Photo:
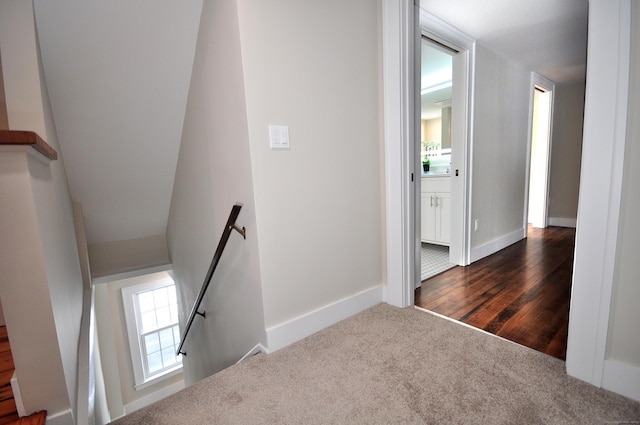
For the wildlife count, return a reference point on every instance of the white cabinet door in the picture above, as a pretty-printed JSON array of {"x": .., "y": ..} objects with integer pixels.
[
  {"x": 435, "y": 215},
  {"x": 443, "y": 218},
  {"x": 427, "y": 217}
]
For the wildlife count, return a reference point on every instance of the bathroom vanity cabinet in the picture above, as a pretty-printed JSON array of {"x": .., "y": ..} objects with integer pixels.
[{"x": 436, "y": 209}]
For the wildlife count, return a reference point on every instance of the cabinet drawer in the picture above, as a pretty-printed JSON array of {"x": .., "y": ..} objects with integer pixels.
[{"x": 435, "y": 184}]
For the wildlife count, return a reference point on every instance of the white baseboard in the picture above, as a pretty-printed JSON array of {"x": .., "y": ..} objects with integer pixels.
[
  {"x": 496, "y": 245},
  {"x": 284, "y": 334},
  {"x": 17, "y": 395},
  {"x": 153, "y": 397},
  {"x": 562, "y": 222},
  {"x": 621, "y": 378},
  {"x": 61, "y": 418},
  {"x": 259, "y": 348}
]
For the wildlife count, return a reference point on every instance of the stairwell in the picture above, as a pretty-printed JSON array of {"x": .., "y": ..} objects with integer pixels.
[{"x": 8, "y": 410}]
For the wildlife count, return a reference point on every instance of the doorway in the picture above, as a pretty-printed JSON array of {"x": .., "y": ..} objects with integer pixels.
[
  {"x": 436, "y": 87},
  {"x": 539, "y": 151},
  {"x": 442, "y": 194}
]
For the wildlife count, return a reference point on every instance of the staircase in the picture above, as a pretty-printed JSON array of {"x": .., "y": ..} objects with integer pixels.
[{"x": 8, "y": 411}]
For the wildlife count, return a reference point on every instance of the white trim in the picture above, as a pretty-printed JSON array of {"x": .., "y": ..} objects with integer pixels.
[
  {"x": 133, "y": 325},
  {"x": 257, "y": 349},
  {"x": 562, "y": 222},
  {"x": 86, "y": 368},
  {"x": 398, "y": 37},
  {"x": 400, "y": 30},
  {"x": 462, "y": 145},
  {"x": 284, "y": 334},
  {"x": 604, "y": 138},
  {"x": 17, "y": 395},
  {"x": 496, "y": 245},
  {"x": 64, "y": 417},
  {"x": 621, "y": 378},
  {"x": 153, "y": 397}
]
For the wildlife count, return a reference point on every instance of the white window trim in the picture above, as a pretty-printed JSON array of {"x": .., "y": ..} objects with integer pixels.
[{"x": 132, "y": 332}]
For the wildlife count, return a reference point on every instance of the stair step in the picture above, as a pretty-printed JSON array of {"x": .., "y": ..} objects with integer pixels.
[
  {"x": 38, "y": 418},
  {"x": 8, "y": 410},
  {"x": 6, "y": 362},
  {"x": 8, "y": 407},
  {"x": 10, "y": 419}
]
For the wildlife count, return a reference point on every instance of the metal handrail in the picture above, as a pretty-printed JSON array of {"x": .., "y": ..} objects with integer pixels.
[{"x": 231, "y": 225}]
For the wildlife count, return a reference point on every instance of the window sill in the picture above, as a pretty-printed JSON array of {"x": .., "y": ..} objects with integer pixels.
[{"x": 156, "y": 379}]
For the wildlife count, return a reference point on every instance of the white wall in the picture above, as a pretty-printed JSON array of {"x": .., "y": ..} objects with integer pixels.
[
  {"x": 54, "y": 210},
  {"x": 623, "y": 342},
  {"x": 112, "y": 258},
  {"x": 601, "y": 251},
  {"x": 213, "y": 173},
  {"x": 51, "y": 291},
  {"x": 566, "y": 150},
  {"x": 499, "y": 150},
  {"x": 20, "y": 67},
  {"x": 25, "y": 292},
  {"x": 313, "y": 66},
  {"x": 118, "y": 74}
]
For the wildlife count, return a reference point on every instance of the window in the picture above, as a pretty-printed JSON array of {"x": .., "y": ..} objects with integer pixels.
[{"x": 151, "y": 313}]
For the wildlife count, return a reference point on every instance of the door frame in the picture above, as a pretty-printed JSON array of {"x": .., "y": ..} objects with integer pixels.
[
  {"x": 462, "y": 134},
  {"x": 547, "y": 85},
  {"x": 402, "y": 23}
]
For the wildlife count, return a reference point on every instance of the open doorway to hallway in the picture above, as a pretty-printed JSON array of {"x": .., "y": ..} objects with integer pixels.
[
  {"x": 539, "y": 151},
  {"x": 521, "y": 293}
]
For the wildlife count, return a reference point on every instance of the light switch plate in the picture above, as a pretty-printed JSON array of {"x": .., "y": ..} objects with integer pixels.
[{"x": 279, "y": 137}]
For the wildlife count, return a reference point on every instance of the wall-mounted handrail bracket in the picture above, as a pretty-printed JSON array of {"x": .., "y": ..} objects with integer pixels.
[
  {"x": 242, "y": 231},
  {"x": 231, "y": 225},
  {"x": 203, "y": 314}
]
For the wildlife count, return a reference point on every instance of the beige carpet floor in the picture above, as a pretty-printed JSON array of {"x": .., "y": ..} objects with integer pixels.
[{"x": 393, "y": 366}]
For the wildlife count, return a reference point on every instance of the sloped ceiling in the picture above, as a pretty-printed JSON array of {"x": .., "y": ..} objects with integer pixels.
[{"x": 118, "y": 75}]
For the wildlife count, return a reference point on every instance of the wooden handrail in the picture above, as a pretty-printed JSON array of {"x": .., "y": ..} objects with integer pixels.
[
  {"x": 231, "y": 225},
  {"x": 17, "y": 137}
]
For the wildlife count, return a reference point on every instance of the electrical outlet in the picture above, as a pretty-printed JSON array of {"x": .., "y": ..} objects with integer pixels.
[{"x": 476, "y": 224}]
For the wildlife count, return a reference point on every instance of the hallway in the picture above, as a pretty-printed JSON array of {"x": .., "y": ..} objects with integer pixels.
[{"x": 520, "y": 293}]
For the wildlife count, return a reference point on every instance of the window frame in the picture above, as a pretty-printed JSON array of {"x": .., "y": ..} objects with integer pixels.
[{"x": 137, "y": 351}]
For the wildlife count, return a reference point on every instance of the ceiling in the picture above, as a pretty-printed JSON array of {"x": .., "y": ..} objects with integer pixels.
[
  {"x": 118, "y": 74},
  {"x": 546, "y": 36}
]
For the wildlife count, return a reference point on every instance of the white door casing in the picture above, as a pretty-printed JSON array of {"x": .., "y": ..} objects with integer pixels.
[{"x": 400, "y": 34}]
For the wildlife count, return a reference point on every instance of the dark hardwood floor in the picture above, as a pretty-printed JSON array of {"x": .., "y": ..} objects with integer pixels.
[{"x": 520, "y": 293}]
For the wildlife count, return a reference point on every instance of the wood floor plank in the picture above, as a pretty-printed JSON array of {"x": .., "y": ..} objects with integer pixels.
[{"x": 521, "y": 293}]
